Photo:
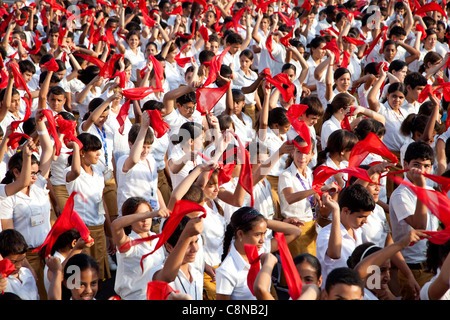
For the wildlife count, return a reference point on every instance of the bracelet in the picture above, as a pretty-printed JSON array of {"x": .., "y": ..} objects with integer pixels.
[{"x": 41, "y": 133}]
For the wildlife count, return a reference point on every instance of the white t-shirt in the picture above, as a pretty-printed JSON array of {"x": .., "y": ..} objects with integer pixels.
[
  {"x": 376, "y": 229},
  {"x": 214, "y": 225},
  {"x": 131, "y": 281},
  {"x": 24, "y": 286}
]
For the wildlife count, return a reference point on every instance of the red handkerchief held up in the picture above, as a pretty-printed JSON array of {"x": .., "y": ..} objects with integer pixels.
[
  {"x": 51, "y": 65},
  {"x": 207, "y": 98},
  {"x": 253, "y": 259},
  {"x": 156, "y": 122},
  {"x": 68, "y": 219},
  {"x": 371, "y": 144},
  {"x": 293, "y": 280},
  {"x": 52, "y": 130},
  {"x": 280, "y": 81},
  {"x": 432, "y": 6},
  {"x": 159, "y": 290},
  {"x": 122, "y": 115},
  {"x": 159, "y": 71}
]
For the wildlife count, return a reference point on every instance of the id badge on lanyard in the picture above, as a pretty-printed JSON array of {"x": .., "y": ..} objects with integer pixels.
[{"x": 107, "y": 174}]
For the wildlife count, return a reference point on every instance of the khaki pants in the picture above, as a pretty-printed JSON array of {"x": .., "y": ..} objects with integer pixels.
[
  {"x": 421, "y": 277},
  {"x": 276, "y": 199},
  {"x": 61, "y": 195},
  {"x": 209, "y": 286},
  {"x": 250, "y": 110},
  {"x": 110, "y": 196},
  {"x": 164, "y": 187},
  {"x": 99, "y": 251},
  {"x": 38, "y": 265}
]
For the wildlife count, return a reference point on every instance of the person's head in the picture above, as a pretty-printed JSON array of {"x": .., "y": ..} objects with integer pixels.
[
  {"x": 389, "y": 50},
  {"x": 314, "y": 112},
  {"x": 90, "y": 152},
  {"x": 225, "y": 72},
  {"x": 214, "y": 43},
  {"x": 430, "y": 41},
  {"x": 356, "y": 204},
  {"x": 234, "y": 41},
  {"x": 397, "y": 33},
  {"x": 343, "y": 284},
  {"x": 396, "y": 94},
  {"x": 247, "y": 226},
  {"x": 93, "y": 105},
  {"x": 418, "y": 155},
  {"x": 339, "y": 146},
  {"x": 148, "y": 139},
  {"x": 414, "y": 125},
  {"x": 13, "y": 247},
  {"x": 15, "y": 164},
  {"x": 414, "y": 82},
  {"x": 309, "y": 269},
  {"x": 190, "y": 136},
  {"x": 133, "y": 38},
  {"x": 137, "y": 205},
  {"x": 316, "y": 48},
  {"x": 290, "y": 70},
  {"x": 87, "y": 74},
  {"x": 431, "y": 60},
  {"x": 299, "y": 158},
  {"x": 193, "y": 246},
  {"x": 278, "y": 120},
  {"x": 186, "y": 104},
  {"x": 81, "y": 276},
  {"x": 238, "y": 101},
  {"x": 56, "y": 98},
  {"x": 342, "y": 79},
  {"x": 258, "y": 152},
  {"x": 339, "y": 106},
  {"x": 27, "y": 69},
  {"x": 368, "y": 125},
  {"x": 65, "y": 242},
  {"x": 246, "y": 59},
  {"x": 363, "y": 251},
  {"x": 399, "y": 69}
]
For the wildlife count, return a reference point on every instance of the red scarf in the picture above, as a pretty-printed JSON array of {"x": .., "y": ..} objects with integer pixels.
[
  {"x": 245, "y": 177},
  {"x": 370, "y": 144},
  {"x": 51, "y": 65},
  {"x": 68, "y": 219},
  {"x": 278, "y": 81},
  {"x": 99, "y": 63},
  {"x": 207, "y": 98},
  {"x": 322, "y": 173},
  {"x": 214, "y": 67},
  {"x": 254, "y": 260},
  {"x": 159, "y": 290},
  {"x": 159, "y": 126},
  {"x": 52, "y": 129}
]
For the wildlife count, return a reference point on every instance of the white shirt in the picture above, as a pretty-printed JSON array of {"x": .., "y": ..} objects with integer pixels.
[
  {"x": 131, "y": 281},
  {"x": 348, "y": 245},
  {"x": 141, "y": 180},
  {"x": 91, "y": 211},
  {"x": 402, "y": 204},
  {"x": 426, "y": 287},
  {"x": 214, "y": 225},
  {"x": 24, "y": 286},
  {"x": 273, "y": 143},
  {"x": 376, "y": 229},
  {"x": 31, "y": 214},
  {"x": 243, "y": 128},
  {"x": 302, "y": 209},
  {"x": 231, "y": 275},
  {"x": 328, "y": 128},
  {"x": 178, "y": 153},
  {"x": 262, "y": 195},
  {"x": 393, "y": 139}
]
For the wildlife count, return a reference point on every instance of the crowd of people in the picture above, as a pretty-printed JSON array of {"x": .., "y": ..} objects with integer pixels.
[{"x": 200, "y": 149}]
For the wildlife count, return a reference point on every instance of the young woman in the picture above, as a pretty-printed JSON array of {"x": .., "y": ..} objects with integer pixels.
[
  {"x": 247, "y": 226},
  {"x": 132, "y": 51}
]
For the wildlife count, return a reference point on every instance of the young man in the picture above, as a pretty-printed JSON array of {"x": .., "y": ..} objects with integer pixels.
[
  {"x": 343, "y": 284},
  {"x": 415, "y": 83},
  {"x": 136, "y": 172},
  {"x": 336, "y": 241},
  {"x": 407, "y": 213}
]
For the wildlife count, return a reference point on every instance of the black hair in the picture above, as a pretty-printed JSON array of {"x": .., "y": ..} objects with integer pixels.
[
  {"x": 64, "y": 240},
  {"x": 82, "y": 261},
  {"x": 243, "y": 219},
  {"x": 414, "y": 79},
  {"x": 87, "y": 74},
  {"x": 173, "y": 239},
  {"x": 339, "y": 140},
  {"x": 134, "y": 132},
  {"x": 12, "y": 242},
  {"x": 419, "y": 150},
  {"x": 234, "y": 38},
  {"x": 343, "y": 275},
  {"x": 186, "y": 98},
  {"x": 436, "y": 255},
  {"x": 368, "y": 125},
  {"x": 130, "y": 206},
  {"x": 16, "y": 162},
  {"x": 188, "y": 130},
  {"x": 356, "y": 198},
  {"x": 360, "y": 253},
  {"x": 26, "y": 66},
  {"x": 312, "y": 260}
]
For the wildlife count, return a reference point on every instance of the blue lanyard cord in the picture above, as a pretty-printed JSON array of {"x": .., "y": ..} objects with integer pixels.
[
  {"x": 105, "y": 146},
  {"x": 310, "y": 198}
]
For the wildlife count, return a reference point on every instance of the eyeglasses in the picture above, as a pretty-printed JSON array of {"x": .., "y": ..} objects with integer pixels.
[
  {"x": 189, "y": 108},
  {"x": 35, "y": 173}
]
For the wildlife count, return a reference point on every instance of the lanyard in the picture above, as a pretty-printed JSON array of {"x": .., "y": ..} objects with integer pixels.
[
  {"x": 105, "y": 146},
  {"x": 310, "y": 198}
]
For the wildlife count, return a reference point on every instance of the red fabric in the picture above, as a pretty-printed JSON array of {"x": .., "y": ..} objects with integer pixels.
[
  {"x": 296, "y": 110},
  {"x": 306, "y": 5},
  {"x": 52, "y": 130},
  {"x": 99, "y": 63},
  {"x": 122, "y": 115},
  {"x": 378, "y": 66},
  {"x": 122, "y": 78},
  {"x": 214, "y": 68},
  {"x": 425, "y": 93},
  {"x": 62, "y": 34},
  {"x": 68, "y": 219},
  {"x": 20, "y": 85},
  {"x": 37, "y": 45},
  {"x": 207, "y": 98},
  {"x": 51, "y": 65},
  {"x": 6, "y": 267},
  {"x": 6, "y": 22},
  {"x": 67, "y": 128},
  {"x": 432, "y": 6},
  {"x": 4, "y": 77},
  {"x": 285, "y": 40},
  {"x": 204, "y": 33},
  {"x": 245, "y": 177},
  {"x": 190, "y": 36},
  {"x": 181, "y": 208},
  {"x": 159, "y": 290},
  {"x": 331, "y": 31},
  {"x": 375, "y": 41},
  {"x": 370, "y": 144},
  {"x": 138, "y": 93},
  {"x": 264, "y": 5},
  {"x": 237, "y": 17},
  {"x": 269, "y": 47},
  {"x": 354, "y": 41},
  {"x": 293, "y": 280},
  {"x": 322, "y": 173},
  {"x": 420, "y": 28},
  {"x": 156, "y": 122},
  {"x": 254, "y": 260},
  {"x": 333, "y": 47},
  {"x": 289, "y": 22},
  {"x": 110, "y": 37},
  {"x": 443, "y": 181},
  {"x": 14, "y": 139},
  {"x": 159, "y": 71},
  {"x": 303, "y": 131},
  {"x": 182, "y": 61},
  {"x": 439, "y": 205},
  {"x": 345, "y": 123},
  {"x": 345, "y": 59},
  {"x": 107, "y": 70},
  {"x": 177, "y": 10},
  {"x": 278, "y": 81}
]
